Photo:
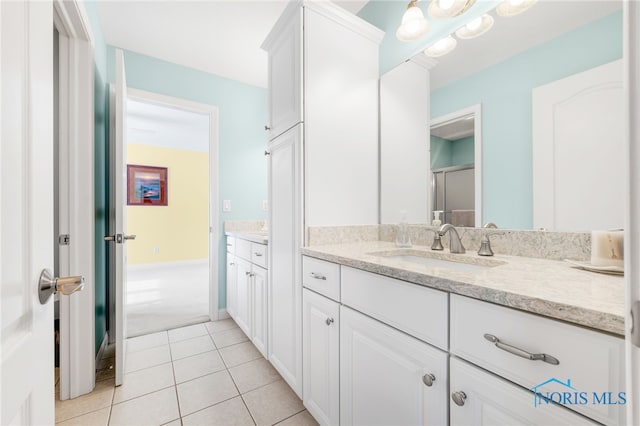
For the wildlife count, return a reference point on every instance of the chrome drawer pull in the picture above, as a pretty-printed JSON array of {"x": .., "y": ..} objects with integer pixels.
[
  {"x": 521, "y": 352},
  {"x": 257, "y": 254},
  {"x": 318, "y": 276},
  {"x": 329, "y": 321}
]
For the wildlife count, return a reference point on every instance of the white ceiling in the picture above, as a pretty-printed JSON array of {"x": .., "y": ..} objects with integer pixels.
[{"x": 221, "y": 37}]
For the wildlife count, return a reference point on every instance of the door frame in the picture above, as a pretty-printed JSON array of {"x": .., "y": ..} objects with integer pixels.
[
  {"x": 215, "y": 312},
  {"x": 76, "y": 111}
]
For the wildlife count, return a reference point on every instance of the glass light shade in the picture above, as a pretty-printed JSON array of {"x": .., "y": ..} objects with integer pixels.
[
  {"x": 475, "y": 28},
  {"x": 440, "y": 9},
  {"x": 413, "y": 25},
  {"x": 441, "y": 47},
  {"x": 514, "y": 7}
]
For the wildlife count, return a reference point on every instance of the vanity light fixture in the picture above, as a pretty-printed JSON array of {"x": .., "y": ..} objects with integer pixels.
[
  {"x": 414, "y": 25},
  {"x": 440, "y": 9},
  {"x": 514, "y": 7},
  {"x": 475, "y": 28},
  {"x": 441, "y": 47}
]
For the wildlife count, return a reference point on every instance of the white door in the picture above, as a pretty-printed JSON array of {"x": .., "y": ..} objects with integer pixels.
[
  {"x": 26, "y": 212},
  {"x": 388, "y": 377},
  {"x": 118, "y": 222},
  {"x": 321, "y": 357},
  {"x": 259, "y": 296},
  {"x": 479, "y": 398},
  {"x": 579, "y": 168}
]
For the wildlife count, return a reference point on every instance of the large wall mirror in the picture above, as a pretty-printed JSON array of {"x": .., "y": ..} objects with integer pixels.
[{"x": 550, "y": 92}]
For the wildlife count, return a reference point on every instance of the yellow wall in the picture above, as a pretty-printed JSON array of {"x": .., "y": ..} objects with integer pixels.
[{"x": 180, "y": 230}]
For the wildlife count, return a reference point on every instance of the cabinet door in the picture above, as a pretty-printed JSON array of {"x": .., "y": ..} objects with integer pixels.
[
  {"x": 320, "y": 357},
  {"x": 490, "y": 400},
  {"x": 285, "y": 77},
  {"x": 232, "y": 289},
  {"x": 243, "y": 311},
  {"x": 388, "y": 377},
  {"x": 259, "y": 295},
  {"x": 285, "y": 240}
]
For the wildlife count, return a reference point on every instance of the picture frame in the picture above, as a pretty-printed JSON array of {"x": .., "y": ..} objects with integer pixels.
[{"x": 147, "y": 185}]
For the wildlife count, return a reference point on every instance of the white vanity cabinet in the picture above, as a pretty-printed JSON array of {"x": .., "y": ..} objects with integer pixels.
[
  {"x": 323, "y": 97},
  {"x": 247, "y": 289},
  {"x": 479, "y": 398},
  {"x": 321, "y": 357},
  {"x": 388, "y": 377}
]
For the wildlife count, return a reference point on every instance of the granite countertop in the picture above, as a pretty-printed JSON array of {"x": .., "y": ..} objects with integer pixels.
[
  {"x": 260, "y": 237},
  {"x": 546, "y": 287}
]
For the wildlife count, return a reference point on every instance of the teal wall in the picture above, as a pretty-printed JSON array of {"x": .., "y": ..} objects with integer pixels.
[
  {"x": 242, "y": 109},
  {"x": 504, "y": 90},
  {"x": 447, "y": 153},
  {"x": 101, "y": 156}
]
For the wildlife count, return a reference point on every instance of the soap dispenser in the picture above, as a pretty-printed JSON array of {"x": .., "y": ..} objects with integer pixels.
[
  {"x": 402, "y": 234},
  {"x": 436, "y": 218}
]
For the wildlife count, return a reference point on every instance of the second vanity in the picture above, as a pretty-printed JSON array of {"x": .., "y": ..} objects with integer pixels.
[{"x": 411, "y": 336}]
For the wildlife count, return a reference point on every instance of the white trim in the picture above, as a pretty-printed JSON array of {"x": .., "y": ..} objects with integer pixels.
[
  {"x": 77, "y": 312},
  {"x": 212, "y": 111},
  {"x": 346, "y": 19},
  {"x": 476, "y": 110}
]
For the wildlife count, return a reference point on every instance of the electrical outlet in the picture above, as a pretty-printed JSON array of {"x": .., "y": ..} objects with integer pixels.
[
  {"x": 265, "y": 205},
  {"x": 156, "y": 250},
  {"x": 226, "y": 205}
]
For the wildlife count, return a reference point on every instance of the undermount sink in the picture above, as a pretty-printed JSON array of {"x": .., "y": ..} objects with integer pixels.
[{"x": 454, "y": 262}]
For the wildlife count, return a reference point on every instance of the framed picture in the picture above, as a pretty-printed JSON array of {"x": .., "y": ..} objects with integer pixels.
[{"x": 146, "y": 185}]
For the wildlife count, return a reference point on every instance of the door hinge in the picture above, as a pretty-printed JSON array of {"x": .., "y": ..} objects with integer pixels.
[{"x": 63, "y": 239}]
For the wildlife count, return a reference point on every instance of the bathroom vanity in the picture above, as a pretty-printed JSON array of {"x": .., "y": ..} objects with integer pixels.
[{"x": 389, "y": 339}]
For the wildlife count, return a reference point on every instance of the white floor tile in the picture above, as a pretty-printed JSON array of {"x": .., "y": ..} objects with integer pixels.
[
  {"x": 253, "y": 374},
  {"x": 188, "y": 332},
  {"x": 221, "y": 325},
  {"x": 300, "y": 419},
  {"x": 140, "y": 343},
  {"x": 272, "y": 403},
  {"x": 95, "y": 418},
  {"x": 145, "y": 381},
  {"x": 147, "y": 358},
  {"x": 205, "y": 392},
  {"x": 198, "y": 365},
  {"x": 101, "y": 397},
  {"x": 190, "y": 347},
  {"x": 229, "y": 337},
  {"x": 228, "y": 413},
  {"x": 239, "y": 354},
  {"x": 153, "y": 409}
]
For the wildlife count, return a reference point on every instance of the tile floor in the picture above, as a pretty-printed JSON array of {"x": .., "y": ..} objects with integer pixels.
[{"x": 204, "y": 374}]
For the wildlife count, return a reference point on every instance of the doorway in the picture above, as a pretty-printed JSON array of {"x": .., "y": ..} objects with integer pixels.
[{"x": 172, "y": 264}]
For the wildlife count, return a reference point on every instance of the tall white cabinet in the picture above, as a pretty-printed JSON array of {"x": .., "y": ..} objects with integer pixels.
[{"x": 323, "y": 132}]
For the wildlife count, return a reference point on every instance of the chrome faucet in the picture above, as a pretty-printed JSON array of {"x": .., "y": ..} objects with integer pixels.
[{"x": 455, "y": 245}]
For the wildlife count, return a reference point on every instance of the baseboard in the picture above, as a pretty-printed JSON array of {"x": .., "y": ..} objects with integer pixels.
[
  {"x": 103, "y": 346},
  {"x": 223, "y": 314}
]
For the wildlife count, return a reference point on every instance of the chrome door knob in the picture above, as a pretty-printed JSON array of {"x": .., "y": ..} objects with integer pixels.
[
  {"x": 48, "y": 285},
  {"x": 428, "y": 379},
  {"x": 129, "y": 237},
  {"x": 459, "y": 397}
]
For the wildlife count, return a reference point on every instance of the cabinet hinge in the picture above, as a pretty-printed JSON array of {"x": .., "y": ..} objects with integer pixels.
[{"x": 63, "y": 239}]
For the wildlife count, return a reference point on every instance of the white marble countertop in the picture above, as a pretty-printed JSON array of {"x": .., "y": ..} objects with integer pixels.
[
  {"x": 260, "y": 237},
  {"x": 546, "y": 287}
]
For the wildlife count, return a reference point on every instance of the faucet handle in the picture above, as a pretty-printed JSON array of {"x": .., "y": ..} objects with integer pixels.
[
  {"x": 485, "y": 243},
  {"x": 437, "y": 243}
]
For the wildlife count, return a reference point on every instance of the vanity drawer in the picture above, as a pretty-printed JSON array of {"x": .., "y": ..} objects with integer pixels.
[
  {"x": 419, "y": 311},
  {"x": 593, "y": 361},
  {"x": 231, "y": 244},
  {"x": 259, "y": 254},
  {"x": 243, "y": 249},
  {"x": 321, "y": 276}
]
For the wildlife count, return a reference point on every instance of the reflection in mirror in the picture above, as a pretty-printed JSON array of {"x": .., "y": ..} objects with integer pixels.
[
  {"x": 501, "y": 70},
  {"x": 455, "y": 138}
]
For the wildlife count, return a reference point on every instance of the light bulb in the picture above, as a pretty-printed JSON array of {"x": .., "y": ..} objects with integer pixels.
[
  {"x": 445, "y": 4},
  {"x": 516, "y": 3},
  {"x": 475, "y": 24},
  {"x": 413, "y": 25}
]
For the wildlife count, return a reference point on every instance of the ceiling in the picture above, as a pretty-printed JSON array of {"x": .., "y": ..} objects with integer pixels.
[{"x": 221, "y": 37}]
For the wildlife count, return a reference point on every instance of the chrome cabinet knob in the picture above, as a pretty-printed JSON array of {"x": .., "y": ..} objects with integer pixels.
[
  {"x": 266, "y": 153},
  {"x": 428, "y": 379},
  {"x": 267, "y": 127},
  {"x": 459, "y": 397},
  {"x": 329, "y": 321},
  {"x": 48, "y": 285}
]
